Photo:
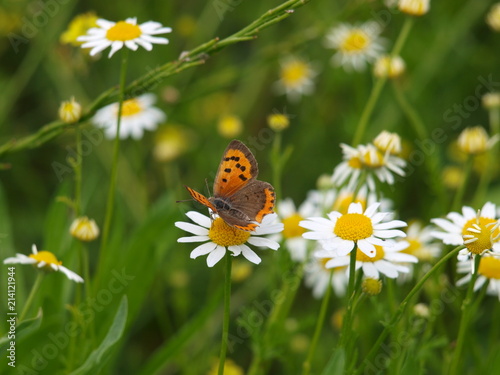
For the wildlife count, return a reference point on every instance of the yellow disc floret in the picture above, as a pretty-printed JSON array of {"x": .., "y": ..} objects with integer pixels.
[
  {"x": 123, "y": 31},
  {"x": 47, "y": 257},
  {"x": 478, "y": 234},
  {"x": 131, "y": 107},
  {"x": 225, "y": 235},
  {"x": 353, "y": 227},
  {"x": 489, "y": 267},
  {"x": 371, "y": 286},
  {"x": 362, "y": 257},
  {"x": 292, "y": 228},
  {"x": 357, "y": 41}
]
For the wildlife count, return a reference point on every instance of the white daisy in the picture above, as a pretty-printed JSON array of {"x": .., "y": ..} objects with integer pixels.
[
  {"x": 342, "y": 232},
  {"x": 316, "y": 277},
  {"x": 123, "y": 33},
  {"x": 477, "y": 231},
  {"x": 489, "y": 270},
  {"x": 138, "y": 114},
  {"x": 44, "y": 260},
  {"x": 421, "y": 242},
  {"x": 218, "y": 237},
  {"x": 357, "y": 45},
  {"x": 296, "y": 78},
  {"x": 387, "y": 260}
]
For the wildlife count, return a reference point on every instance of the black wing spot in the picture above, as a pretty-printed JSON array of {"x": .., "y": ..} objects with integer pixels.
[
  {"x": 242, "y": 177},
  {"x": 227, "y": 170},
  {"x": 235, "y": 158},
  {"x": 227, "y": 159},
  {"x": 238, "y": 165},
  {"x": 243, "y": 168},
  {"x": 224, "y": 180}
]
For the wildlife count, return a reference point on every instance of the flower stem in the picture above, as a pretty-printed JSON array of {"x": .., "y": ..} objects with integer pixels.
[
  {"x": 114, "y": 169},
  {"x": 306, "y": 367},
  {"x": 32, "y": 294},
  {"x": 459, "y": 195},
  {"x": 346, "y": 322},
  {"x": 464, "y": 320},
  {"x": 399, "y": 313},
  {"x": 225, "y": 323}
]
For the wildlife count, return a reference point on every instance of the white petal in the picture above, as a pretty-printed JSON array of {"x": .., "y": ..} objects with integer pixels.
[
  {"x": 488, "y": 210},
  {"x": 389, "y": 233},
  {"x": 34, "y": 249},
  {"x": 202, "y": 250},
  {"x": 216, "y": 255},
  {"x": 355, "y": 208},
  {"x": 191, "y": 228},
  {"x": 263, "y": 242},
  {"x": 372, "y": 209},
  {"x": 387, "y": 269},
  {"x": 446, "y": 225},
  {"x": 390, "y": 225},
  {"x": 115, "y": 46},
  {"x": 370, "y": 270},
  {"x": 367, "y": 248},
  {"x": 70, "y": 274},
  {"x": 193, "y": 239},
  {"x": 250, "y": 254},
  {"x": 199, "y": 219}
]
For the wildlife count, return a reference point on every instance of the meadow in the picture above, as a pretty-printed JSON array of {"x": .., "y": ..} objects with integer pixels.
[{"x": 373, "y": 247}]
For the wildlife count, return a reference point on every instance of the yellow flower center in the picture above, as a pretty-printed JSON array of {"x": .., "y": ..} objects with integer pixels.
[
  {"x": 292, "y": 228},
  {"x": 362, "y": 257},
  {"x": 490, "y": 267},
  {"x": 355, "y": 42},
  {"x": 225, "y": 235},
  {"x": 373, "y": 158},
  {"x": 353, "y": 227},
  {"x": 483, "y": 240},
  {"x": 294, "y": 73},
  {"x": 47, "y": 257},
  {"x": 355, "y": 163},
  {"x": 342, "y": 203},
  {"x": 371, "y": 286},
  {"x": 131, "y": 107},
  {"x": 414, "y": 247},
  {"x": 123, "y": 31}
]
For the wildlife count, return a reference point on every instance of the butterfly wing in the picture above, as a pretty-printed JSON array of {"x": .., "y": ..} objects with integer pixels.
[
  {"x": 200, "y": 198},
  {"x": 237, "y": 168}
]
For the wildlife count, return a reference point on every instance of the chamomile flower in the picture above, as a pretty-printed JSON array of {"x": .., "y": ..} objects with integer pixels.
[
  {"x": 84, "y": 229},
  {"x": 390, "y": 67},
  {"x": 123, "y": 33},
  {"x": 421, "y": 242},
  {"x": 341, "y": 233},
  {"x": 489, "y": 270},
  {"x": 414, "y": 7},
  {"x": 387, "y": 260},
  {"x": 296, "y": 78},
  {"x": 70, "y": 111},
  {"x": 493, "y": 17},
  {"x": 290, "y": 216},
  {"x": 43, "y": 260},
  {"x": 475, "y": 140},
  {"x": 219, "y": 237},
  {"x": 356, "y": 45},
  {"x": 77, "y": 27},
  {"x": 477, "y": 231},
  {"x": 138, "y": 115},
  {"x": 316, "y": 277}
]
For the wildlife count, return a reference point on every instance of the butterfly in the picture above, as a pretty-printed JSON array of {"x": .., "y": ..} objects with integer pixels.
[{"x": 239, "y": 199}]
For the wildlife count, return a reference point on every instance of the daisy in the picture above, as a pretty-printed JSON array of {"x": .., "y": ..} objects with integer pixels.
[
  {"x": 414, "y": 7},
  {"x": 489, "y": 270},
  {"x": 138, "y": 114},
  {"x": 421, "y": 242},
  {"x": 123, "y": 33},
  {"x": 357, "y": 45},
  {"x": 290, "y": 216},
  {"x": 477, "y": 231},
  {"x": 84, "y": 229},
  {"x": 386, "y": 260},
  {"x": 70, "y": 111},
  {"x": 493, "y": 17},
  {"x": 341, "y": 233},
  {"x": 44, "y": 260},
  {"x": 475, "y": 140},
  {"x": 316, "y": 277},
  {"x": 390, "y": 67},
  {"x": 296, "y": 78},
  {"x": 219, "y": 237}
]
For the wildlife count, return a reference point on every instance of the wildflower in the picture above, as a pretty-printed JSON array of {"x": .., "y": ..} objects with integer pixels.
[
  {"x": 489, "y": 270},
  {"x": 240, "y": 271},
  {"x": 77, "y": 27},
  {"x": 70, "y": 111},
  {"x": 388, "y": 142},
  {"x": 171, "y": 141},
  {"x": 138, "y": 114},
  {"x": 478, "y": 231},
  {"x": 491, "y": 100},
  {"x": 371, "y": 286},
  {"x": 43, "y": 260},
  {"x": 356, "y": 45},
  {"x": 123, "y": 33},
  {"x": 414, "y": 7},
  {"x": 342, "y": 232},
  {"x": 493, "y": 17},
  {"x": 296, "y": 78},
  {"x": 452, "y": 177},
  {"x": 316, "y": 277},
  {"x": 385, "y": 66},
  {"x": 219, "y": 237},
  {"x": 292, "y": 233},
  {"x": 229, "y": 126},
  {"x": 278, "y": 121},
  {"x": 474, "y": 141},
  {"x": 84, "y": 229},
  {"x": 386, "y": 260},
  {"x": 421, "y": 243},
  {"x": 422, "y": 310}
]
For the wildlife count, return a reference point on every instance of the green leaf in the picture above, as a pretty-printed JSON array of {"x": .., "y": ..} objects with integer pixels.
[
  {"x": 95, "y": 360},
  {"x": 336, "y": 364},
  {"x": 23, "y": 329}
]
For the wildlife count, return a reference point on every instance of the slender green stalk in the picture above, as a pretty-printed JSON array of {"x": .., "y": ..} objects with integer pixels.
[
  {"x": 459, "y": 195},
  {"x": 464, "y": 320},
  {"x": 351, "y": 291},
  {"x": 402, "y": 306},
  {"x": 31, "y": 296},
  {"x": 114, "y": 169},
  {"x": 227, "y": 312},
  {"x": 306, "y": 367}
]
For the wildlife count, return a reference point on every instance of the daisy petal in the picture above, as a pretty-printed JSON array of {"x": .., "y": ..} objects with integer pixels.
[{"x": 216, "y": 255}]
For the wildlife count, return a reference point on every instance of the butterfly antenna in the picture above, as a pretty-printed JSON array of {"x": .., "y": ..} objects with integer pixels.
[
  {"x": 208, "y": 188},
  {"x": 185, "y": 200}
]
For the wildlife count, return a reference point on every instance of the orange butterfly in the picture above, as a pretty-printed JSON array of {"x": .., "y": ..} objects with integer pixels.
[{"x": 239, "y": 199}]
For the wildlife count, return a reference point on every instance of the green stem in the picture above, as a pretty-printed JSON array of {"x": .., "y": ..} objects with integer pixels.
[
  {"x": 306, "y": 367},
  {"x": 78, "y": 172},
  {"x": 464, "y": 320},
  {"x": 459, "y": 195},
  {"x": 227, "y": 312},
  {"x": 114, "y": 170},
  {"x": 31, "y": 296},
  {"x": 351, "y": 291},
  {"x": 399, "y": 313}
]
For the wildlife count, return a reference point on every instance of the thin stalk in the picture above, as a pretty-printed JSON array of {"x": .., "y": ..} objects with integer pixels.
[
  {"x": 31, "y": 296},
  {"x": 351, "y": 290},
  {"x": 227, "y": 312},
  {"x": 402, "y": 306},
  {"x": 459, "y": 195}
]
